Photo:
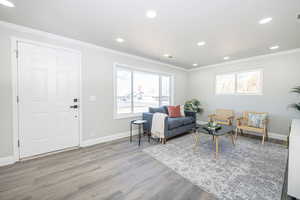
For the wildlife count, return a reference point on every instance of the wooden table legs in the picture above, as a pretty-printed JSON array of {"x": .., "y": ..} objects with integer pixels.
[
  {"x": 233, "y": 138},
  {"x": 196, "y": 139},
  {"x": 216, "y": 141},
  {"x": 216, "y": 138}
]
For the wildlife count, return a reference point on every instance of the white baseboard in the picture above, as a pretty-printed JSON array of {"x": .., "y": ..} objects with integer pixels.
[
  {"x": 108, "y": 138},
  {"x": 278, "y": 136},
  {"x": 271, "y": 135},
  {"x": 9, "y": 160}
]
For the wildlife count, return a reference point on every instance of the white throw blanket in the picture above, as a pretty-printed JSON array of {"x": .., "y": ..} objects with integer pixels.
[{"x": 158, "y": 125}]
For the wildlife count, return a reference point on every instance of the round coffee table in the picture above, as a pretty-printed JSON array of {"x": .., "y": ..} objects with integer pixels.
[
  {"x": 224, "y": 129},
  {"x": 139, "y": 123}
]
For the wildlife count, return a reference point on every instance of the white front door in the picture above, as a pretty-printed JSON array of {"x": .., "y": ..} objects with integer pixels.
[{"x": 48, "y": 85}]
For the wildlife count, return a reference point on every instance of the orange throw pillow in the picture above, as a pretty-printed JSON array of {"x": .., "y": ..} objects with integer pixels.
[{"x": 174, "y": 111}]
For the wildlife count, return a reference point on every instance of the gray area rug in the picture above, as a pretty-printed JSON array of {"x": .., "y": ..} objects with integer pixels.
[{"x": 248, "y": 170}]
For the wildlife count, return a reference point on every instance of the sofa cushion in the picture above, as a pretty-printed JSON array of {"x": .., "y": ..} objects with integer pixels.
[
  {"x": 182, "y": 110},
  {"x": 188, "y": 120},
  {"x": 175, "y": 122},
  {"x": 179, "y": 130},
  {"x": 179, "y": 121},
  {"x": 161, "y": 109}
]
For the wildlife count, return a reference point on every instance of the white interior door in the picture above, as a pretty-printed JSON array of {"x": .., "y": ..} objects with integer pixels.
[{"x": 48, "y": 84}]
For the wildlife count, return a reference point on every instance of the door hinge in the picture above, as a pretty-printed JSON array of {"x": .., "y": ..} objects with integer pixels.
[
  {"x": 18, "y": 100},
  {"x": 17, "y": 54},
  {"x": 18, "y": 143}
]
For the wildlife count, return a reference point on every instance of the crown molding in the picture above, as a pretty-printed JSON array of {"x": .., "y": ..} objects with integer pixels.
[
  {"x": 28, "y": 30},
  {"x": 245, "y": 59}
]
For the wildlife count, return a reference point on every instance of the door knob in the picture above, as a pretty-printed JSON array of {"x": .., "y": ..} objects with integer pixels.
[{"x": 75, "y": 106}]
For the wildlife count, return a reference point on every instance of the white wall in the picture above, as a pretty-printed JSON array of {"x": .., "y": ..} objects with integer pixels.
[
  {"x": 281, "y": 72},
  {"x": 97, "y": 80}
]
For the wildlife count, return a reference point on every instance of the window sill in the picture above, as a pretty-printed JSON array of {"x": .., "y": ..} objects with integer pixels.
[
  {"x": 240, "y": 94},
  {"x": 127, "y": 116},
  {"x": 250, "y": 94}
]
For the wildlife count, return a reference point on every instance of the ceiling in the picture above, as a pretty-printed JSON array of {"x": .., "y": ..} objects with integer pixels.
[{"x": 229, "y": 28}]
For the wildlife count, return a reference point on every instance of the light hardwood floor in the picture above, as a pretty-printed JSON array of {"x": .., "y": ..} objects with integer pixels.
[{"x": 114, "y": 170}]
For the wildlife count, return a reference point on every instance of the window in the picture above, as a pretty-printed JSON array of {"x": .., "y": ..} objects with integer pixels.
[
  {"x": 165, "y": 90},
  {"x": 249, "y": 82},
  {"x": 124, "y": 99},
  {"x": 240, "y": 83},
  {"x": 136, "y": 91},
  {"x": 145, "y": 91},
  {"x": 225, "y": 84}
]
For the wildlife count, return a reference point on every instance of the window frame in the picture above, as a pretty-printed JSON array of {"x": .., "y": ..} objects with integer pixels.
[
  {"x": 260, "y": 92},
  {"x": 234, "y": 89},
  {"x": 132, "y": 69}
]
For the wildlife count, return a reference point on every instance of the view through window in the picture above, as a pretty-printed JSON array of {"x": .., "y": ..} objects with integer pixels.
[
  {"x": 136, "y": 90},
  {"x": 249, "y": 82},
  {"x": 225, "y": 84},
  {"x": 240, "y": 83}
]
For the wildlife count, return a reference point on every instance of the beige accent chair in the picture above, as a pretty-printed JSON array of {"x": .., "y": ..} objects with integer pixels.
[
  {"x": 242, "y": 124},
  {"x": 222, "y": 116}
]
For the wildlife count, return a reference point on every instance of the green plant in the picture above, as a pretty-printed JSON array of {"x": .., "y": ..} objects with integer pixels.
[
  {"x": 193, "y": 105},
  {"x": 296, "y": 105}
]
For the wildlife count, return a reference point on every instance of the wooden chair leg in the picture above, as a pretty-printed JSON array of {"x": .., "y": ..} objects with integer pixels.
[
  {"x": 263, "y": 139},
  {"x": 232, "y": 138},
  {"x": 217, "y": 146},
  {"x": 236, "y": 133}
]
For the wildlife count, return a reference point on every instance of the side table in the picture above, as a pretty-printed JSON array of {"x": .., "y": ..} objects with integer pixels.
[{"x": 139, "y": 123}]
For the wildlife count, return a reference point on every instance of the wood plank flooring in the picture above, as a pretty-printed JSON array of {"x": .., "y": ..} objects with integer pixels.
[{"x": 111, "y": 171}]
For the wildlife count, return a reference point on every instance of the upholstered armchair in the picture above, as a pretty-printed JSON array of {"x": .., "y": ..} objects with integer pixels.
[
  {"x": 222, "y": 116},
  {"x": 246, "y": 124}
]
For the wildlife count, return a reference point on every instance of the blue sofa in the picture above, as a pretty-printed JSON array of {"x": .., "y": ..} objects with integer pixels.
[{"x": 173, "y": 126}]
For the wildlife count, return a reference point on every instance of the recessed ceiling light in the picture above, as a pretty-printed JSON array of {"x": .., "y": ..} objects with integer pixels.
[
  {"x": 274, "y": 47},
  {"x": 120, "y": 40},
  {"x": 151, "y": 14},
  {"x": 226, "y": 58},
  {"x": 7, "y": 3},
  {"x": 265, "y": 20},
  {"x": 201, "y": 43},
  {"x": 195, "y": 64}
]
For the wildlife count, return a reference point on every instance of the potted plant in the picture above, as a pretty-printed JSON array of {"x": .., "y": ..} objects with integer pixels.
[
  {"x": 193, "y": 105},
  {"x": 296, "y": 105}
]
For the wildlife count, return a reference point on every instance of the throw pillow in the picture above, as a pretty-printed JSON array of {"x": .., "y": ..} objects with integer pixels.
[
  {"x": 182, "y": 110},
  {"x": 159, "y": 109},
  {"x": 174, "y": 111},
  {"x": 256, "y": 120}
]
